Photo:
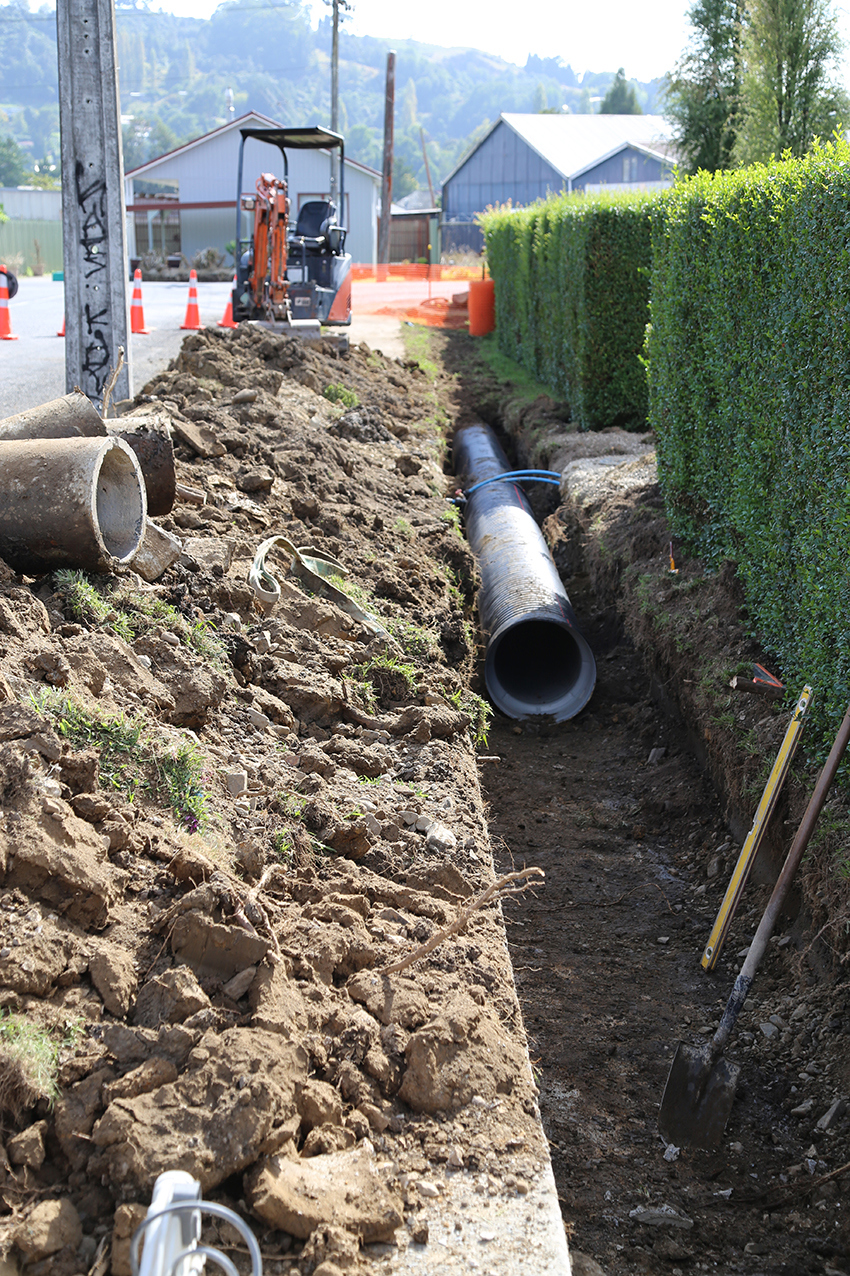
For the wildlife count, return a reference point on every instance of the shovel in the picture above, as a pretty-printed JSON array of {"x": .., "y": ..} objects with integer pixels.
[{"x": 700, "y": 1087}]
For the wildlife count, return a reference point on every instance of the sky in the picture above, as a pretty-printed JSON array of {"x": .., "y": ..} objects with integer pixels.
[{"x": 601, "y": 36}]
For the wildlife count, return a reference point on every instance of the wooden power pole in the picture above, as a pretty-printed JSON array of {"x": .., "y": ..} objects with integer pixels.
[
  {"x": 95, "y": 258},
  {"x": 387, "y": 184}
]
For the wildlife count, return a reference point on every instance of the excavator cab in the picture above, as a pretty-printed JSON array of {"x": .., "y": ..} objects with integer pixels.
[{"x": 293, "y": 278}]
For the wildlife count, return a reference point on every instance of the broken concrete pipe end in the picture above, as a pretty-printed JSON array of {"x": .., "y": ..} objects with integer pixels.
[
  {"x": 77, "y": 502},
  {"x": 69, "y": 417}
]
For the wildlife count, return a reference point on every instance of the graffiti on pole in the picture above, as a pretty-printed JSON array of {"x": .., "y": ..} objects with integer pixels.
[{"x": 94, "y": 241}]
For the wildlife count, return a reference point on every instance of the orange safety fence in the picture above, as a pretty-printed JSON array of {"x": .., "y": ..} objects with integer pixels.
[
  {"x": 434, "y": 312},
  {"x": 414, "y": 270}
]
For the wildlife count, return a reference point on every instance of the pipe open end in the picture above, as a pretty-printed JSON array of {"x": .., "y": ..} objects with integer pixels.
[
  {"x": 539, "y": 668},
  {"x": 120, "y": 505}
]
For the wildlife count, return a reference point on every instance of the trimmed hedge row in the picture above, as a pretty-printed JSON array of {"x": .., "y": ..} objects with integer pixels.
[
  {"x": 572, "y": 288},
  {"x": 749, "y": 396}
]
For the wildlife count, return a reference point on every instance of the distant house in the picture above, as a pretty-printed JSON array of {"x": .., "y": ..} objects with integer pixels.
[
  {"x": 524, "y": 158},
  {"x": 185, "y": 201}
]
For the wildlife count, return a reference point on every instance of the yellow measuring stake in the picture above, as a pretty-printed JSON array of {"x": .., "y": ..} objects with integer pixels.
[{"x": 750, "y": 848}]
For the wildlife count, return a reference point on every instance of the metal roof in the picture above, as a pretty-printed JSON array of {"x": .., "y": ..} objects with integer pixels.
[{"x": 573, "y": 143}]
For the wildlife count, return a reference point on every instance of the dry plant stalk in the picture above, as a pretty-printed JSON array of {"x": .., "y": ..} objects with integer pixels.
[{"x": 497, "y": 890}]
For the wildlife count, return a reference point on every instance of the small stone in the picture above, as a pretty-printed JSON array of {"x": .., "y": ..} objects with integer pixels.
[
  {"x": 258, "y": 719},
  {"x": 440, "y": 838},
  {"x": 655, "y": 756},
  {"x": 171, "y": 638},
  {"x": 238, "y": 986},
  {"x": 263, "y": 643},
  {"x": 259, "y": 480},
  {"x": 455, "y": 1158},
  {"x": 237, "y": 782},
  {"x": 373, "y": 826},
  {"x": 663, "y": 939},
  {"x": 486, "y": 1236},
  {"x": 409, "y": 817},
  {"x": 419, "y": 1235},
  {"x": 833, "y": 1114},
  {"x": 804, "y": 1108},
  {"x": 715, "y": 867},
  {"x": 769, "y": 1030},
  {"x": 429, "y": 1191},
  {"x": 660, "y": 1216},
  {"x": 423, "y": 823}
]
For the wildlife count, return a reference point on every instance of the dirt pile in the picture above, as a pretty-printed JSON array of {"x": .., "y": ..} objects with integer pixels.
[{"x": 220, "y": 825}]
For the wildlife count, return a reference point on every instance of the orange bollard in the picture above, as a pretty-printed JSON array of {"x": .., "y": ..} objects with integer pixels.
[
  {"x": 137, "y": 314},
  {"x": 6, "y": 333},
  {"x": 61, "y": 332},
  {"x": 482, "y": 307},
  {"x": 227, "y": 320},
  {"x": 193, "y": 315}
]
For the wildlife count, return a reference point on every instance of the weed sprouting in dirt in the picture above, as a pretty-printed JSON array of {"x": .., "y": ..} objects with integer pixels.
[
  {"x": 130, "y": 614},
  {"x": 403, "y": 528},
  {"x": 335, "y": 393},
  {"x": 85, "y": 602},
  {"x": 416, "y": 642},
  {"x": 477, "y": 708},
  {"x": 387, "y": 677},
  {"x": 132, "y": 758},
  {"x": 181, "y": 770},
  {"x": 29, "y": 1061},
  {"x": 451, "y": 515}
]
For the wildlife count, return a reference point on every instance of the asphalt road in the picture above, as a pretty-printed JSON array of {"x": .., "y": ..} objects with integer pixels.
[{"x": 32, "y": 369}]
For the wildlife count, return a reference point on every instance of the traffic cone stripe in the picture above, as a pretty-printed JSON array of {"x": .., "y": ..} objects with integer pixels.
[
  {"x": 137, "y": 314},
  {"x": 6, "y": 333},
  {"x": 226, "y": 320},
  {"x": 193, "y": 315}
]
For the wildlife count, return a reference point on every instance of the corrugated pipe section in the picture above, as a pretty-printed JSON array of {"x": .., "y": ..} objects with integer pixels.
[{"x": 538, "y": 665}]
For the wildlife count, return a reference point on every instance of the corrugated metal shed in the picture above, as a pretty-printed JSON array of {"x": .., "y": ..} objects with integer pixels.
[{"x": 204, "y": 171}]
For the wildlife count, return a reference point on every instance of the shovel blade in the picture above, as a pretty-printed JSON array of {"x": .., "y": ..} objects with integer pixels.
[{"x": 697, "y": 1099}]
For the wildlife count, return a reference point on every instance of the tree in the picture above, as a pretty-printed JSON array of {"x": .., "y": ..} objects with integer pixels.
[
  {"x": 13, "y": 169},
  {"x": 703, "y": 94},
  {"x": 620, "y": 98},
  {"x": 790, "y": 91}
]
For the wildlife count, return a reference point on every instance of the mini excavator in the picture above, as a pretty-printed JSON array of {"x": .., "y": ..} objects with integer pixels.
[{"x": 291, "y": 279}]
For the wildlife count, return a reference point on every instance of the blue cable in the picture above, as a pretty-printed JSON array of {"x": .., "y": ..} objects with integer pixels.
[{"x": 535, "y": 476}]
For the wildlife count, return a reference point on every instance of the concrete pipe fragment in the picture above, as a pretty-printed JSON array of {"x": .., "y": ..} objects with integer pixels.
[
  {"x": 70, "y": 503},
  {"x": 155, "y": 453},
  {"x": 71, "y": 416},
  {"x": 538, "y": 665}
]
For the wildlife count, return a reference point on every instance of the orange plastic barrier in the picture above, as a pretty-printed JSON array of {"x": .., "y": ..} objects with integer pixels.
[
  {"x": 436, "y": 312},
  {"x": 192, "y": 322},
  {"x": 6, "y": 333},
  {"x": 482, "y": 307},
  {"x": 413, "y": 270}
]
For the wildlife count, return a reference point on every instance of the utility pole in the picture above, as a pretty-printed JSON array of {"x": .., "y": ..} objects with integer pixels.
[
  {"x": 95, "y": 258},
  {"x": 427, "y": 165},
  {"x": 387, "y": 183},
  {"x": 335, "y": 108}
]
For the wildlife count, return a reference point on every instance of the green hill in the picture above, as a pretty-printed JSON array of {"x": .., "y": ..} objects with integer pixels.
[{"x": 175, "y": 71}]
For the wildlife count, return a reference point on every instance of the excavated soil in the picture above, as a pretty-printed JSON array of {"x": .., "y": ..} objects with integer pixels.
[{"x": 220, "y": 825}]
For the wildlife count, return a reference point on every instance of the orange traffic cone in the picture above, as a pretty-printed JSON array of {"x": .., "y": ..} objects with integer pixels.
[
  {"x": 61, "y": 333},
  {"x": 193, "y": 315},
  {"x": 137, "y": 314},
  {"x": 227, "y": 320},
  {"x": 6, "y": 333}
]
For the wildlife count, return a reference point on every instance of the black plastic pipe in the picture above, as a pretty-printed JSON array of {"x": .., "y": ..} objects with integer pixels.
[{"x": 538, "y": 665}]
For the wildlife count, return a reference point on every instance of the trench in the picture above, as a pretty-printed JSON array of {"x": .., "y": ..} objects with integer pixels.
[{"x": 606, "y": 964}]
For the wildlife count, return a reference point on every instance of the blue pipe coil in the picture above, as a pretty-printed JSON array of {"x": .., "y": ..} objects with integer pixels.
[{"x": 538, "y": 664}]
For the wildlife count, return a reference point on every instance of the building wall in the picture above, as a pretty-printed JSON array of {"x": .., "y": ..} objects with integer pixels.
[
  {"x": 207, "y": 174},
  {"x": 629, "y": 168},
  {"x": 31, "y": 205},
  {"x": 503, "y": 168}
]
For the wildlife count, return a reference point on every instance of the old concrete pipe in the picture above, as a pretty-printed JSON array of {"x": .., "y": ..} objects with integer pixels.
[
  {"x": 74, "y": 415},
  {"x": 77, "y": 502}
]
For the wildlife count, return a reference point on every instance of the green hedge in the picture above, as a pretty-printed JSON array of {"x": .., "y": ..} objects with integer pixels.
[
  {"x": 572, "y": 289},
  {"x": 749, "y": 389}
]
